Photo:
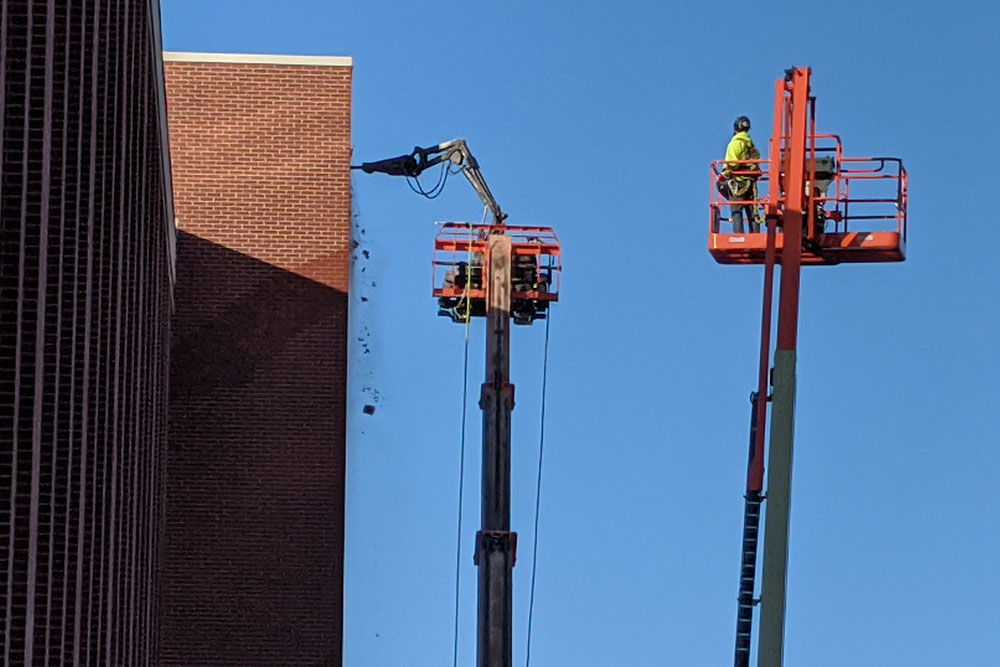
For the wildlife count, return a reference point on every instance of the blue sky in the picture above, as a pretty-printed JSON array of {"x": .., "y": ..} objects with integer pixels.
[{"x": 600, "y": 120}]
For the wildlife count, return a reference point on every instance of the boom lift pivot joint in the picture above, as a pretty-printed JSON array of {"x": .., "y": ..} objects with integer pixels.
[{"x": 496, "y": 540}]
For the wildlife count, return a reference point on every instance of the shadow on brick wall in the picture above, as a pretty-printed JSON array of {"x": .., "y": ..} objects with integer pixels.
[{"x": 254, "y": 529}]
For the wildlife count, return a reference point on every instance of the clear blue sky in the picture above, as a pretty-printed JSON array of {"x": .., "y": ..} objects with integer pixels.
[{"x": 600, "y": 120}]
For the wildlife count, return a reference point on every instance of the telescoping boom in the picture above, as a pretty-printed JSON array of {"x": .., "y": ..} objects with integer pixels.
[{"x": 502, "y": 273}]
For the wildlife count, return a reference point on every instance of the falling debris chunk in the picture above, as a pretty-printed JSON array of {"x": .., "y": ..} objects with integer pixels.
[{"x": 369, "y": 409}]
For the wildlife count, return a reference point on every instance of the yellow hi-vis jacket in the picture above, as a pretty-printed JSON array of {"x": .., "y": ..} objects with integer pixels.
[{"x": 741, "y": 148}]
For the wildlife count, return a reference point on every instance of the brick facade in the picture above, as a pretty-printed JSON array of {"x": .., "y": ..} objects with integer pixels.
[
  {"x": 86, "y": 258},
  {"x": 254, "y": 551}
]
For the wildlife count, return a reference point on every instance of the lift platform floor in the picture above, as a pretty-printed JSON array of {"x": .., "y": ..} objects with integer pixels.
[{"x": 833, "y": 248}]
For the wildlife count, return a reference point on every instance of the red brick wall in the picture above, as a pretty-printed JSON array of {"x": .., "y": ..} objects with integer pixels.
[{"x": 254, "y": 527}]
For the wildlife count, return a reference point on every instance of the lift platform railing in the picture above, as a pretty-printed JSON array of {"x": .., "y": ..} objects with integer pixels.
[
  {"x": 755, "y": 170},
  {"x": 458, "y": 270},
  {"x": 873, "y": 190},
  {"x": 758, "y": 171},
  {"x": 870, "y": 192}
]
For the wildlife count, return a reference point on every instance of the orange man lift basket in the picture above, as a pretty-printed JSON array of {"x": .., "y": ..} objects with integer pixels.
[
  {"x": 858, "y": 208},
  {"x": 460, "y": 253}
]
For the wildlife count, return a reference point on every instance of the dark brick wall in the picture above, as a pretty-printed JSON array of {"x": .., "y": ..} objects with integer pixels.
[
  {"x": 85, "y": 262},
  {"x": 254, "y": 554}
]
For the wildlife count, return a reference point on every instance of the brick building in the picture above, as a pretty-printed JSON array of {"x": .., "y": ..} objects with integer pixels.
[
  {"x": 86, "y": 264},
  {"x": 253, "y": 564}
]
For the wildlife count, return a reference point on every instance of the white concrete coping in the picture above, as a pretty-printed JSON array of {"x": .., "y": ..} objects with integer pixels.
[{"x": 257, "y": 59}]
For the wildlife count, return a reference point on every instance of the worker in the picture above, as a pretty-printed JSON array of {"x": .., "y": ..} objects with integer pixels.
[
  {"x": 455, "y": 307},
  {"x": 736, "y": 184}
]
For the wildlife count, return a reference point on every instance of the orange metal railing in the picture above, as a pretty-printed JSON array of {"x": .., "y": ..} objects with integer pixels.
[
  {"x": 865, "y": 194},
  {"x": 757, "y": 170},
  {"x": 460, "y": 247}
]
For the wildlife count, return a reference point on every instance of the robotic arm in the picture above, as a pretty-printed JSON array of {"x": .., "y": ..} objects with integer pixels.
[{"x": 456, "y": 152}]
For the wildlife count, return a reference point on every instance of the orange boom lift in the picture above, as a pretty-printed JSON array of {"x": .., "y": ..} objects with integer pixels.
[
  {"x": 502, "y": 273},
  {"x": 820, "y": 208}
]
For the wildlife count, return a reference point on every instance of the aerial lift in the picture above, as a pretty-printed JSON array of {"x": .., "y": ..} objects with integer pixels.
[
  {"x": 503, "y": 273},
  {"x": 813, "y": 198}
]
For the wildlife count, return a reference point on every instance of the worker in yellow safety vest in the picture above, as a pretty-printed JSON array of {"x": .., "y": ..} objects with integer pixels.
[{"x": 736, "y": 184}]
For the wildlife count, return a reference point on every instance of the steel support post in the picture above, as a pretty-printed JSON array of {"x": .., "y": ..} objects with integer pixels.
[{"x": 495, "y": 543}]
